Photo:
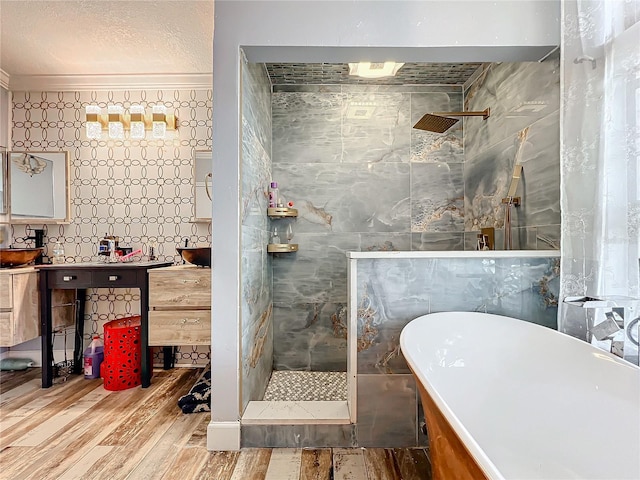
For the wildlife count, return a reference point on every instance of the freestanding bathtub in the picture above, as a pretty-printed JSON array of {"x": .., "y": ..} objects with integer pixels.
[{"x": 505, "y": 398}]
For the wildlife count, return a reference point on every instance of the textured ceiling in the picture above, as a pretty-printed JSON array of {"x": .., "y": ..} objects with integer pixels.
[
  {"x": 338, "y": 73},
  {"x": 103, "y": 37}
]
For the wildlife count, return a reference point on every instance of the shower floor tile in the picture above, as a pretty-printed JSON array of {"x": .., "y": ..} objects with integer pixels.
[{"x": 306, "y": 386}]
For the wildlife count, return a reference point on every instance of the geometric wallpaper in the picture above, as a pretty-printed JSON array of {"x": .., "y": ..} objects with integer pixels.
[{"x": 139, "y": 190}]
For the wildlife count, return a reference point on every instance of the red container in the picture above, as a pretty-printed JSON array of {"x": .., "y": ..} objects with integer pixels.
[{"x": 121, "y": 368}]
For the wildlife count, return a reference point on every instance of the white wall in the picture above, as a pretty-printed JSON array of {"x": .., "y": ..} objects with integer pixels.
[{"x": 287, "y": 31}]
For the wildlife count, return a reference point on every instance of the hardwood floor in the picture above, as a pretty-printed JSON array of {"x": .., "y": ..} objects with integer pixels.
[{"x": 78, "y": 430}]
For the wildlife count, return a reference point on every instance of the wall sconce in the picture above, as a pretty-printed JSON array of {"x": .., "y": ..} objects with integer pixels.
[{"x": 116, "y": 122}]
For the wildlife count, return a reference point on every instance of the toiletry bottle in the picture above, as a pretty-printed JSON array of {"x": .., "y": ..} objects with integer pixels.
[
  {"x": 103, "y": 246},
  {"x": 273, "y": 194},
  {"x": 58, "y": 253}
]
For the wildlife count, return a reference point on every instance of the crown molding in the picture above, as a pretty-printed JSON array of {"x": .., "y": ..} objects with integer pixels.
[
  {"x": 78, "y": 83},
  {"x": 4, "y": 79}
]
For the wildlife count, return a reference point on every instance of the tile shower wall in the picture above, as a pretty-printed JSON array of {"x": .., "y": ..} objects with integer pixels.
[
  {"x": 392, "y": 292},
  {"x": 256, "y": 271},
  {"x": 139, "y": 190},
  {"x": 523, "y": 128},
  {"x": 362, "y": 179}
]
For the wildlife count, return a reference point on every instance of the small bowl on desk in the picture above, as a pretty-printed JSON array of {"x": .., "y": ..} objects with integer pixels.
[{"x": 200, "y": 256}]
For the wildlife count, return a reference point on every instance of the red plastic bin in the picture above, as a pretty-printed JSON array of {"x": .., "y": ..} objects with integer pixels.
[{"x": 121, "y": 367}]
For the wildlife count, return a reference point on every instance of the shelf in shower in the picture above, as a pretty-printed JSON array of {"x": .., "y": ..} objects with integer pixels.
[{"x": 282, "y": 247}]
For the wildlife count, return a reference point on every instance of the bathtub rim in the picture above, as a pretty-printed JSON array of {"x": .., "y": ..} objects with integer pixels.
[{"x": 473, "y": 447}]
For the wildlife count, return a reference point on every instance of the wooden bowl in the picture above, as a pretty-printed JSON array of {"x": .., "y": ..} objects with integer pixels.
[
  {"x": 15, "y": 257},
  {"x": 200, "y": 256}
]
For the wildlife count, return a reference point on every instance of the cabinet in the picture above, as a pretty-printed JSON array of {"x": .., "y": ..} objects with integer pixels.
[
  {"x": 19, "y": 306},
  {"x": 180, "y": 306}
]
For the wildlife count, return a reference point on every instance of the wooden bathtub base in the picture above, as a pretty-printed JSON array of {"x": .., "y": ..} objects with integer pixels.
[{"x": 450, "y": 459}]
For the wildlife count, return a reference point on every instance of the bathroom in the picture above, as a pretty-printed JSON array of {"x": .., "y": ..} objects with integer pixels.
[{"x": 390, "y": 229}]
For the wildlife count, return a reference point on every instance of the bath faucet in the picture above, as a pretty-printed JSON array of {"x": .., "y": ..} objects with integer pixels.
[{"x": 38, "y": 237}]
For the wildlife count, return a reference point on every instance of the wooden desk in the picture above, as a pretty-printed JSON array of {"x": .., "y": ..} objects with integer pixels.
[{"x": 79, "y": 277}]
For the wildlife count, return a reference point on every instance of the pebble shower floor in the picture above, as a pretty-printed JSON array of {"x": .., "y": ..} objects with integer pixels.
[{"x": 306, "y": 386}]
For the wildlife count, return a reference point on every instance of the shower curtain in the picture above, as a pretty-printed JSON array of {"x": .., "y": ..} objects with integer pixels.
[{"x": 600, "y": 166}]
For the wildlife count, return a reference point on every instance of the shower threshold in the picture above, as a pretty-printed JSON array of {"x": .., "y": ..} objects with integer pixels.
[
  {"x": 299, "y": 397},
  {"x": 296, "y": 412}
]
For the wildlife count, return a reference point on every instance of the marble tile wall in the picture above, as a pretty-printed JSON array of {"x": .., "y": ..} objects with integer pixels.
[
  {"x": 140, "y": 190},
  {"x": 348, "y": 158},
  {"x": 392, "y": 292},
  {"x": 523, "y": 128},
  {"x": 256, "y": 264},
  {"x": 363, "y": 178}
]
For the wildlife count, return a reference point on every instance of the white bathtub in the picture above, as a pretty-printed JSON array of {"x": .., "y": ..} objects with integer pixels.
[{"x": 525, "y": 401}]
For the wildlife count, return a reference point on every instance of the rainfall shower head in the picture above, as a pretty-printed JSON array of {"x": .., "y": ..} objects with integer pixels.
[{"x": 440, "y": 122}]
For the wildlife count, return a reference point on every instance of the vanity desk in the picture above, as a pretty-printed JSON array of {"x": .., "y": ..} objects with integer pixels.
[{"x": 79, "y": 277}]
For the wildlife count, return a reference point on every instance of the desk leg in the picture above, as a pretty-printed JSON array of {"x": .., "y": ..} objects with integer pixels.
[
  {"x": 145, "y": 357},
  {"x": 81, "y": 296},
  {"x": 46, "y": 332},
  {"x": 169, "y": 354}
]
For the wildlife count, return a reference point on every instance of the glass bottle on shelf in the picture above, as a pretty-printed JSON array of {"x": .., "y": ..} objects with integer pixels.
[
  {"x": 275, "y": 235},
  {"x": 289, "y": 232}
]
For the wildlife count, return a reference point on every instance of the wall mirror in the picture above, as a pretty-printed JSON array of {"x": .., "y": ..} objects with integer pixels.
[
  {"x": 40, "y": 189},
  {"x": 202, "y": 164}
]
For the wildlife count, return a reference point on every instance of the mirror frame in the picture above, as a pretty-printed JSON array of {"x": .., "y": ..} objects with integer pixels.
[
  {"x": 4, "y": 179},
  {"x": 67, "y": 184}
]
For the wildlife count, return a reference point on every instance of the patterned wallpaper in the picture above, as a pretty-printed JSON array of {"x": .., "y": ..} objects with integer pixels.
[{"x": 139, "y": 190}]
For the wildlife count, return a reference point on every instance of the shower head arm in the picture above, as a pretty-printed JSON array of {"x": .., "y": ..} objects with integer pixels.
[{"x": 485, "y": 114}]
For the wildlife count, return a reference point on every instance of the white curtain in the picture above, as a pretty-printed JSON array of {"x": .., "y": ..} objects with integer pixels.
[{"x": 600, "y": 166}]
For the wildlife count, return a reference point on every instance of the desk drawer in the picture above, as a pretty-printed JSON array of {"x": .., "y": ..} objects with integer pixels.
[
  {"x": 180, "y": 288},
  {"x": 114, "y": 279},
  {"x": 69, "y": 279},
  {"x": 6, "y": 292},
  {"x": 180, "y": 327}
]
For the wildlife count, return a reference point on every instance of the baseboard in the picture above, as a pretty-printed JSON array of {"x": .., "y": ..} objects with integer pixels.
[
  {"x": 223, "y": 436},
  {"x": 36, "y": 355},
  {"x": 58, "y": 356}
]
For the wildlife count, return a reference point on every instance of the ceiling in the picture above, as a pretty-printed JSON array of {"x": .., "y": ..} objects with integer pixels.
[
  {"x": 105, "y": 37},
  {"x": 88, "y": 44}
]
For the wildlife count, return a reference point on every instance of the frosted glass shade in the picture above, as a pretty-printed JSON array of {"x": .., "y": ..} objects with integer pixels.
[
  {"x": 159, "y": 125},
  {"x": 116, "y": 127},
  {"x": 137, "y": 121},
  {"x": 93, "y": 127}
]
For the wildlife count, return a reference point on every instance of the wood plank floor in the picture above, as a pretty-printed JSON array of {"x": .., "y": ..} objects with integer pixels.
[{"x": 78, "y": 430}]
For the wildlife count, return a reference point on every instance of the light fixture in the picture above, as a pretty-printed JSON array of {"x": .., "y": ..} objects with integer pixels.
[
  {"x": 136, "y": 122},
  {"x": 374, "y": 69},
  {"x": 117, "y": 122},
  {"x": 93, "y": 126},
  {"x": 159, "y": 116},
  {"x": 116, "y": 127},
  {"x": 30, "y": 164}
]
